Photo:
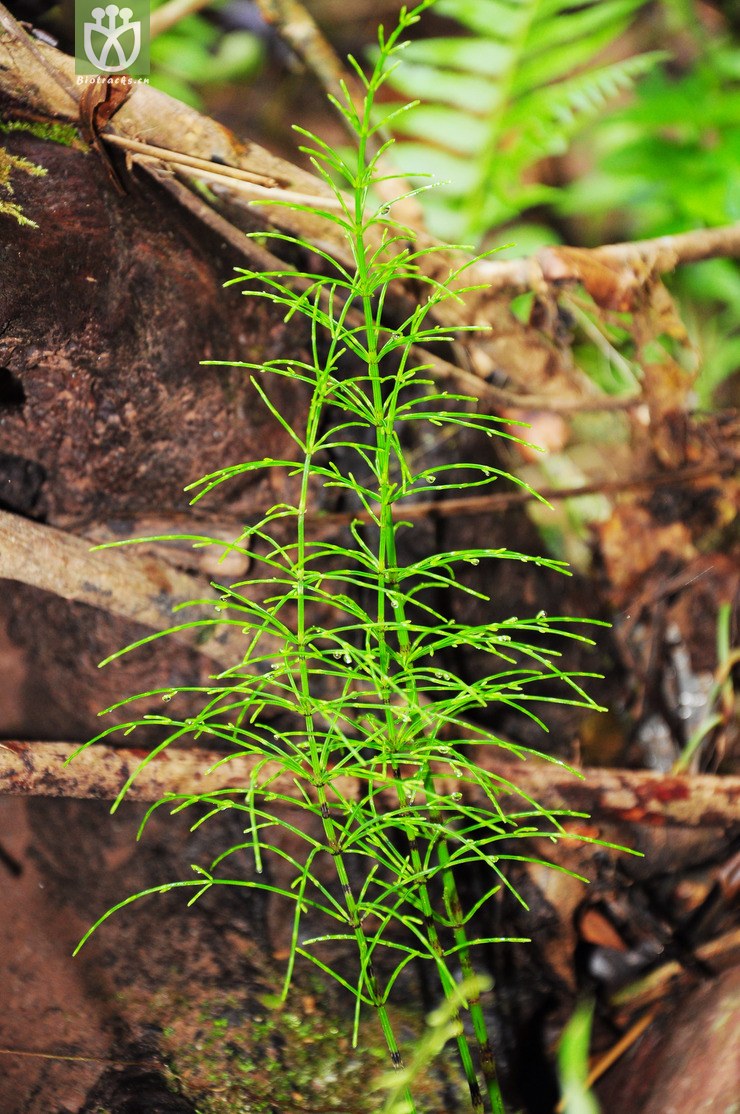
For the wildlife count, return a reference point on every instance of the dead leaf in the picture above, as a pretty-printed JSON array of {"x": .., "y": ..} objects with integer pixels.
[
  {"x": 99, "y": 102},
  {"x": 596, "y": 929},
  {"x": 632, "y": 542},
  {"x": 611, "y": 286}
]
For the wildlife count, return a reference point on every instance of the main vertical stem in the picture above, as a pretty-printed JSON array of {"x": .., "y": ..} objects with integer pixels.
[
  {"x": 457, "y": 919},
  {"x": 315, "y": 749},
  {"x": 384, "y": 417},
  {"x": 384, "y": 426}
]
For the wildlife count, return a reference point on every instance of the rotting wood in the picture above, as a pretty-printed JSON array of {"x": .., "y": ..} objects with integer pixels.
[{"x": 614, "y": 796}]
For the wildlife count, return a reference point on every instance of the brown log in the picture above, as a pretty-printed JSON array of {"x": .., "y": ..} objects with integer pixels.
[
  {"x": 613, "y": 796},
  {"x": 106, "y": 311}
]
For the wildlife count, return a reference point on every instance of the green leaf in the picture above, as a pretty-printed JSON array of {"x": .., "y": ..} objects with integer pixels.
[{"x": 573, "y": 1063}]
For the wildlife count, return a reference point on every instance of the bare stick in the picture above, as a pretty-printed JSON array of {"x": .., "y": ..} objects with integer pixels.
[
  {"x": 256, "y": 186},
  {"x": 164, "y": 154},
  {"x": 658, "y": 256},
  {"x": 617, "y": 796}
]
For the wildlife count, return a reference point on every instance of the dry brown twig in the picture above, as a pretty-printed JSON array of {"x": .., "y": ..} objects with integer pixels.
[
  {"x": 656, "y": 256},
  {"x": 615, "y": 796}
]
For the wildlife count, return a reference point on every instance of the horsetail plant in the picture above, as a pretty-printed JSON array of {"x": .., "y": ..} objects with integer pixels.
[{"x": 338, "y": 699}]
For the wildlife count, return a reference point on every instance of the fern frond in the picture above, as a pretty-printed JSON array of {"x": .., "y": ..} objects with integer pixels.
[
  {"x": 548, "y": 118},
  {"x": 515, "y": 89}
]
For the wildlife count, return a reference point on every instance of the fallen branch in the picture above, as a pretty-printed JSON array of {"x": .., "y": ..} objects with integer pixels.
[
  {"x": 142, "y": 589},
  {"x": 614, "y": 796},
  {"x": 656, "y": 256},
  {"x": 481, "y": 504}
]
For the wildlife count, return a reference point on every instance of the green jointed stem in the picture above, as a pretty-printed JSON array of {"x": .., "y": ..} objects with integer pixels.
[
  {"x": 385, "y": 422},
  {"x": 315, "y": 750},
  {"x": 457, "y": 919}
]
